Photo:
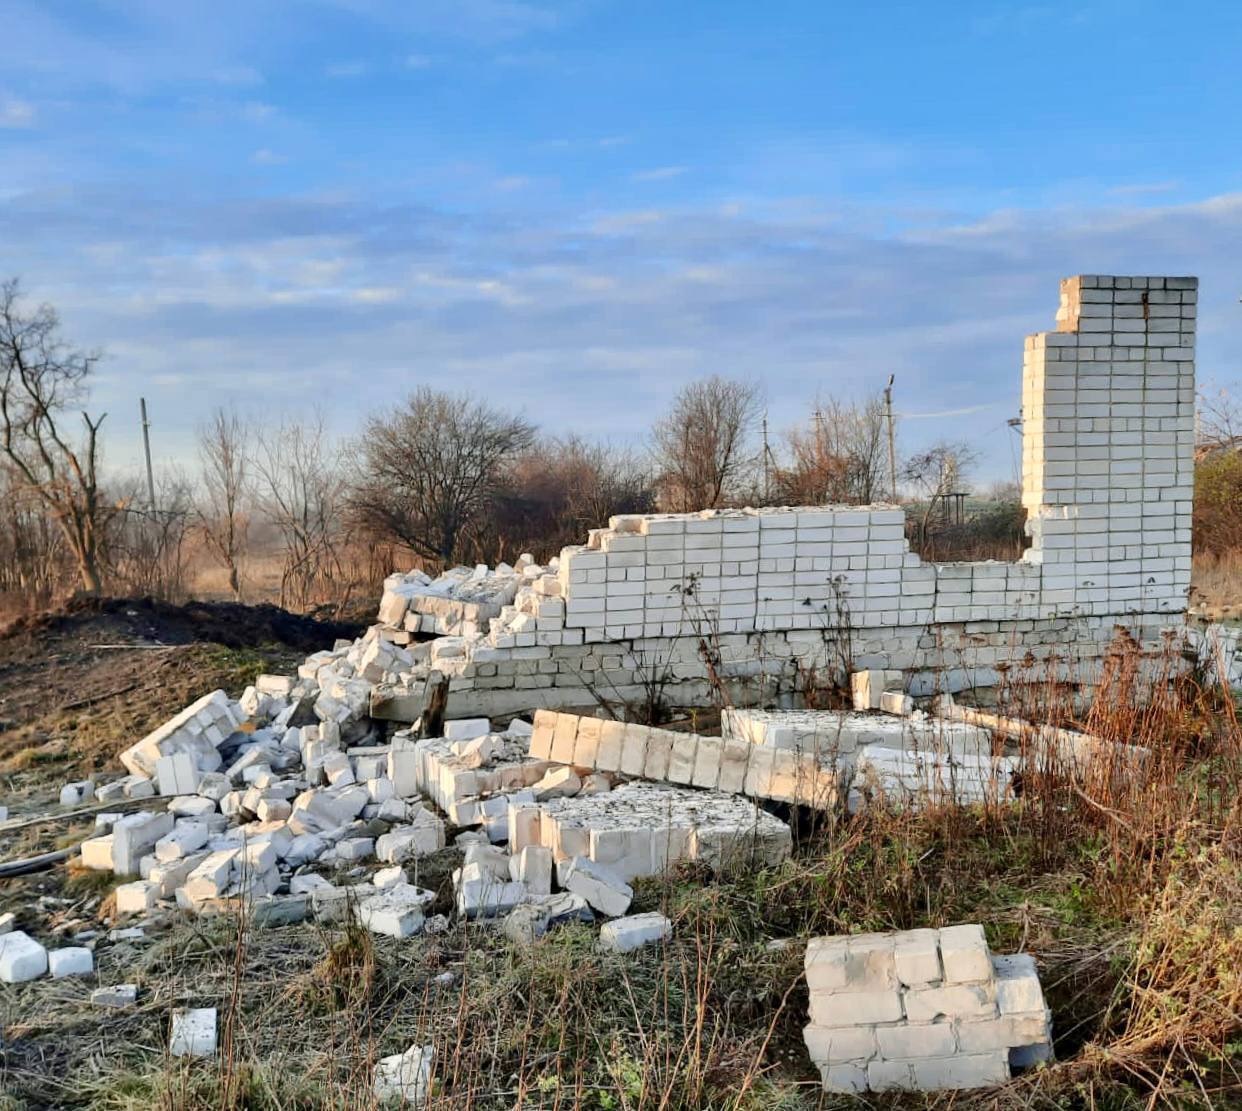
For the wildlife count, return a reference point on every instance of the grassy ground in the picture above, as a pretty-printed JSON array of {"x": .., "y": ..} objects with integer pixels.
[{"x": 1128, "y": 890}]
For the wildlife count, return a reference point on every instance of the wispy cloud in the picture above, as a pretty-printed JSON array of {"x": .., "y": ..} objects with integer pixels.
[
  {"x": 238, "y": 76},
  {"x": 265, "y": 299},
  {"x": 512, "y": 183},
  {"x": 346, "y": 69},
  {"x": 660, "y": 173},
  {"x": 1138, "y": 189},
  {"x": 15, "y": 113},
  {"x": 940, "y": 414},
  {"x": 417, "y": 61},
  {"x": 265, "y": 157},
  {"x": 256, "y": 111}
]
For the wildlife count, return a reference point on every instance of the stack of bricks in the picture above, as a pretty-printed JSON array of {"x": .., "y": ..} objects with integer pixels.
[
  {"x": 1108, "y": 440},
  {"x": 910, "y": 761},
  {"x": 198, "y": 730},
  {"x": 923, "y": 1010},
  {"x": 640, "y": 829},
  {"x": 730, "y": 765}
]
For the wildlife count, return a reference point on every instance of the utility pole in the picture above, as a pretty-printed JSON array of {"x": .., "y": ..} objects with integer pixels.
[
  {"x": 146, "y": 447},
  {"x": 892, "y": 440},
  {"x": 767, "y": 494}
]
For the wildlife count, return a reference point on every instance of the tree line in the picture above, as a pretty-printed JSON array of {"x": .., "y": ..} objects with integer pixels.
[{"x": 443, "y": 478}]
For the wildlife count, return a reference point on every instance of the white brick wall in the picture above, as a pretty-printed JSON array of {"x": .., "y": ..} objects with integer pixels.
[{"x": 1108, "y": 408}]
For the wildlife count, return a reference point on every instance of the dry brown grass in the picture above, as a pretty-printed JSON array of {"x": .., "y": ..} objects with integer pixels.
[{"x": 1126, "y": 888}]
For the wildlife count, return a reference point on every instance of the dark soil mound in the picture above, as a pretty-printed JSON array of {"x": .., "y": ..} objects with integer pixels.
[{"x": 147, "y": 621}]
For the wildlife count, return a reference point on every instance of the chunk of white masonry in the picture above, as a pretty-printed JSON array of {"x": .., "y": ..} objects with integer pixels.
[
  {"x": 21, "y": 958},
  {"x": 137, "y": 897},
  {"x": 621, "y": 935},
  {"x": 73, "y": 960},
  {"x": 466, "y": 729},
  {"x": 404, "y": 1078},
  {"x": 193, "y": 1033},
  {"x": 599, "y": 886},
  {"x": 119, "y": 995},
  {"x": 396, "y": 912}
]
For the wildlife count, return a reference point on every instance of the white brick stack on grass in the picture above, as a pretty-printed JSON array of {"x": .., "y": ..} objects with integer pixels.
[
  {"x": 921, "y": 1010},
  {"x": 198, "y": 731},
  {"x": 729, "y": 765},
  {"x": 910, "y": 760},
  {"x": 640, "y": 829}
]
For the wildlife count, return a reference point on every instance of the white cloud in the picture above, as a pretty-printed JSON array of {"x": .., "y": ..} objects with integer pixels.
[
  {"x": 417, "y": 61},
  {"x": 238, "y": 76},
  {"x": 346, "y": 69},
  {"x": 257, "y": 112},
  {"x": 15, "y": 113},
  {"x": 265, "y": 157},
  {"x": 660, "y": 173},
  {"x": 266, "y": 300}
]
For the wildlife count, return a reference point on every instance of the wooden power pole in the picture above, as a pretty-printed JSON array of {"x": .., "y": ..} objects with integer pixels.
[{"x": 892, "y": 440}]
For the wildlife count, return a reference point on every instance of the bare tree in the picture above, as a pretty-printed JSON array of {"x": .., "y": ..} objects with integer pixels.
[
  {"x": 225, "y": 475},
  {"x": 700, "y": 445},
  {"x": 1219, "y": 424},
  {"x": 841, "y": 457},
  {"x": 302, "y": 493},
  {"x": 428, "y": 472},
  {"x": 553, "y": 492},
  {"x": 41, "y": 378},
  {"x": 146, "y": 553},
  {"x": 936, "y": 473}
]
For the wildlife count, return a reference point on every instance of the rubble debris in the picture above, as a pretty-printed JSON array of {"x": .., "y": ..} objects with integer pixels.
[
  {"x": 8, "y": 921},
  {"x": 639, "y": 829},
  {"x": 405, "y": 1078},
  {"x": 602, "y": 888},
  {"x": 623, "y": 935},
  {"x": 1069, "y": 750},
  {"x": 21, "y": 958},
  {"x": 72, "y": 960},
  {"x": 119, "y": 995},
  {"x": 868, "y": 686},
  {"x": 197, "y": 731},
  {"x": 531, "y": 921},
  {"x": 396, "y": 911},
  {"x": 907, "y": 760},
  {"x": 193, "y": 1033},
  {"x": 724, "y": 764},
  {"x": 921, "y": 1010}
]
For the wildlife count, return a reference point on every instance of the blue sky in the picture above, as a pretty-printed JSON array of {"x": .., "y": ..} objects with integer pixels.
[{"x": 573, "y": 208}]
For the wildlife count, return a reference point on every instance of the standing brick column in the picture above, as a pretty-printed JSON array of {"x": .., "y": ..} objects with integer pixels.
[{"x": 1108, "y": 441}]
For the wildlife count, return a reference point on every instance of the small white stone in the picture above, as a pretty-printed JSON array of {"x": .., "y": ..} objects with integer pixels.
[
  {"x": 622, "y": 935},
  {"x": 405, "y": 1078},
  {"x": 120, "y": 995},
  {"x": 193, "y": 1033},
  {"x": 21, "y": 958},
  {"x": 73, "y": 960}
]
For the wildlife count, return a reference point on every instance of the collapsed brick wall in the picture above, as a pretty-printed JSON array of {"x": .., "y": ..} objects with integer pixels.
[{"x": 1108, "y": 407}]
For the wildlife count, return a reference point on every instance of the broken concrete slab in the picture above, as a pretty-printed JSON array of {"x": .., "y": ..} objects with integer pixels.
[
  {"x": 396, "y": 911},
  {"x": 529, "y": 922}
]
